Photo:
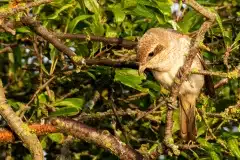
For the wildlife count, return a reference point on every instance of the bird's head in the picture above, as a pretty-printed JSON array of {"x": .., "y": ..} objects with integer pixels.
[{"x": 150, "y": 49}]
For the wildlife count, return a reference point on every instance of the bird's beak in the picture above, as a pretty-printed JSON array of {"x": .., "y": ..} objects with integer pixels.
[{"x": 141, "y": 69}]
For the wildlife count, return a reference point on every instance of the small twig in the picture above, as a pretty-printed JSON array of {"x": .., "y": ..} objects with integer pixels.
[
  {"x": 119, "y": 112},
  {"x": 72, "y": 91},
  {"x": 39, "y": 57},
  {"x": 221, "y": 83},
  {"x": 39, "y": 90},
  {"x": 187, "y": 146},
  {"x": 111, "y": 63},
  {"x": 113, "y": 106},
  {"x": 6, "y": 49},
  {"x": 20, "y": 7},
  {"x": 107, "y": 40},
  {"x": 7, "y": 29},
  {"x": 233, "y": 74}
]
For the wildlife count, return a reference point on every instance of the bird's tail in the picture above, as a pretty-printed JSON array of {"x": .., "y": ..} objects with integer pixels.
[{"x": 188, "y": 128}]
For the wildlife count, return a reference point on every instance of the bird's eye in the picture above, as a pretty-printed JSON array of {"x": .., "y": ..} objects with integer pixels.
[{"x": 151, "y": 54}]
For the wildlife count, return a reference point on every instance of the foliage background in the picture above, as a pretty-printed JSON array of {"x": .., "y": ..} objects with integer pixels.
[{"x": 22, "y": 73}]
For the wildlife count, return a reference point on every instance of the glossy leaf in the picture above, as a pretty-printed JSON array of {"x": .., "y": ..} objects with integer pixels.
[
  {"x": 130, "y": 78},
  {"x": 71, "y": 102},
  {"x": 76, "y": 20},
  {"x": 65, "y": 111},
  {"x": 56, "y": 137}
]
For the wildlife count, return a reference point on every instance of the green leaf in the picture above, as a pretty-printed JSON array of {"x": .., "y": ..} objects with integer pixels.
[
  {"x": 204, "y": 143},
  {"x": 76, "y": 20},
  {"x": 130, "y": 78},
  {"x": 237, "y": 39},
  {"x": 65, "y": 111},
  {"x": 214, "y": 155},
  {"x": 118, "y": 12},
  {"x": 129, "y": 3},
  {"x": 111, "y": 32},
  {"x": 92, "y": 5},
  {"x": 143, "y": 11},
  {"x": 56, "y": 137},
  {"x": 176, "y": 123},
  {"x": 225, "y": 34},
  {"x": 152, "y": 85},
  {"x": 42, "y": 98},
  {"x": 44, "y": 69},
  {"x": 233, "y": 145},
  {"x": 23, "y": 30},
  {"x": 71, "y": 102},
  {"x": 188, "y": 21},
  {"x": 55, "y": 15},
  {"x": 164, "y": 7},
  {"x": 44, "y": 142}
]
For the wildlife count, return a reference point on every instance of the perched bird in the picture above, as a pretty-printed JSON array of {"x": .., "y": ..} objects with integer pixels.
[{"x": 164, "y": 51}]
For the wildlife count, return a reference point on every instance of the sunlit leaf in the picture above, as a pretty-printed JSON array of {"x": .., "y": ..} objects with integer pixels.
[
  {"x": 56, "y": 14},
  {"x": 129, "y": 3},
  {"x": 226, "y": 38},
  {"x": 65, "y": 111},
  {"x": 92, "y": 5},
  {"x": 76, "y": 20},
  {"x": 237, "y": 39},
  {"x": 119, "y": 14},
  {"x": 56, "y": 137},
  {"x": 130, "y": 78},
  {"x": 214, "y": 155},
  {"x": 233, "y": 145},
  {"x": 71, "y": 102}
]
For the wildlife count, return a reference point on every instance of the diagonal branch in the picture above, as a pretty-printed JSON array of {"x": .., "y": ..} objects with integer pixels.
[
  {"x": 43, "y": 32},
  {"x": 19, "y": 127},
  {"x": 101, "y": 138}
]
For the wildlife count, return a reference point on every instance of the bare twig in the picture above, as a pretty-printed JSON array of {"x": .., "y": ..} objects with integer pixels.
[
  {"x": 40, "y": 89},
  {"x": 231, "y": 75},
  {"x": 7, "y": 29},
  {"x": 107, "y": 40},
  {"x": 221, "y": 83},
  {"x": 6, "y": 49}
]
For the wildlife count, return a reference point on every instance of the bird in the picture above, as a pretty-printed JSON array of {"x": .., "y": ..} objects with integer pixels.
[{"x": 163, "y": 52}]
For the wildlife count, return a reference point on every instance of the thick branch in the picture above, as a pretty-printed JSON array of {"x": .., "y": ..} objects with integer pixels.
[
  {"x": 20, "y": 128},
  {"x": 43, "y": 32},
  {"x": 7, "y": 136},
  {"x": 101, "y": 138}
]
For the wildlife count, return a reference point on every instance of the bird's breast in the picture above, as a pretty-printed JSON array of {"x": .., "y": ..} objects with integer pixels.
[{"x": 166, "y": 78}]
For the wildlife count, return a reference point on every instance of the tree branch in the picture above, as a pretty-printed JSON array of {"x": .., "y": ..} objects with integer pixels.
[
  {"x": 101, "y": 138},
  {"x": 20, "y": 128},
  {"x": 117, "y": 41}
]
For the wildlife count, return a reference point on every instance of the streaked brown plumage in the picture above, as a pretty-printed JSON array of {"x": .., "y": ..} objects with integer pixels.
[{"x": 164, "y": 51}]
